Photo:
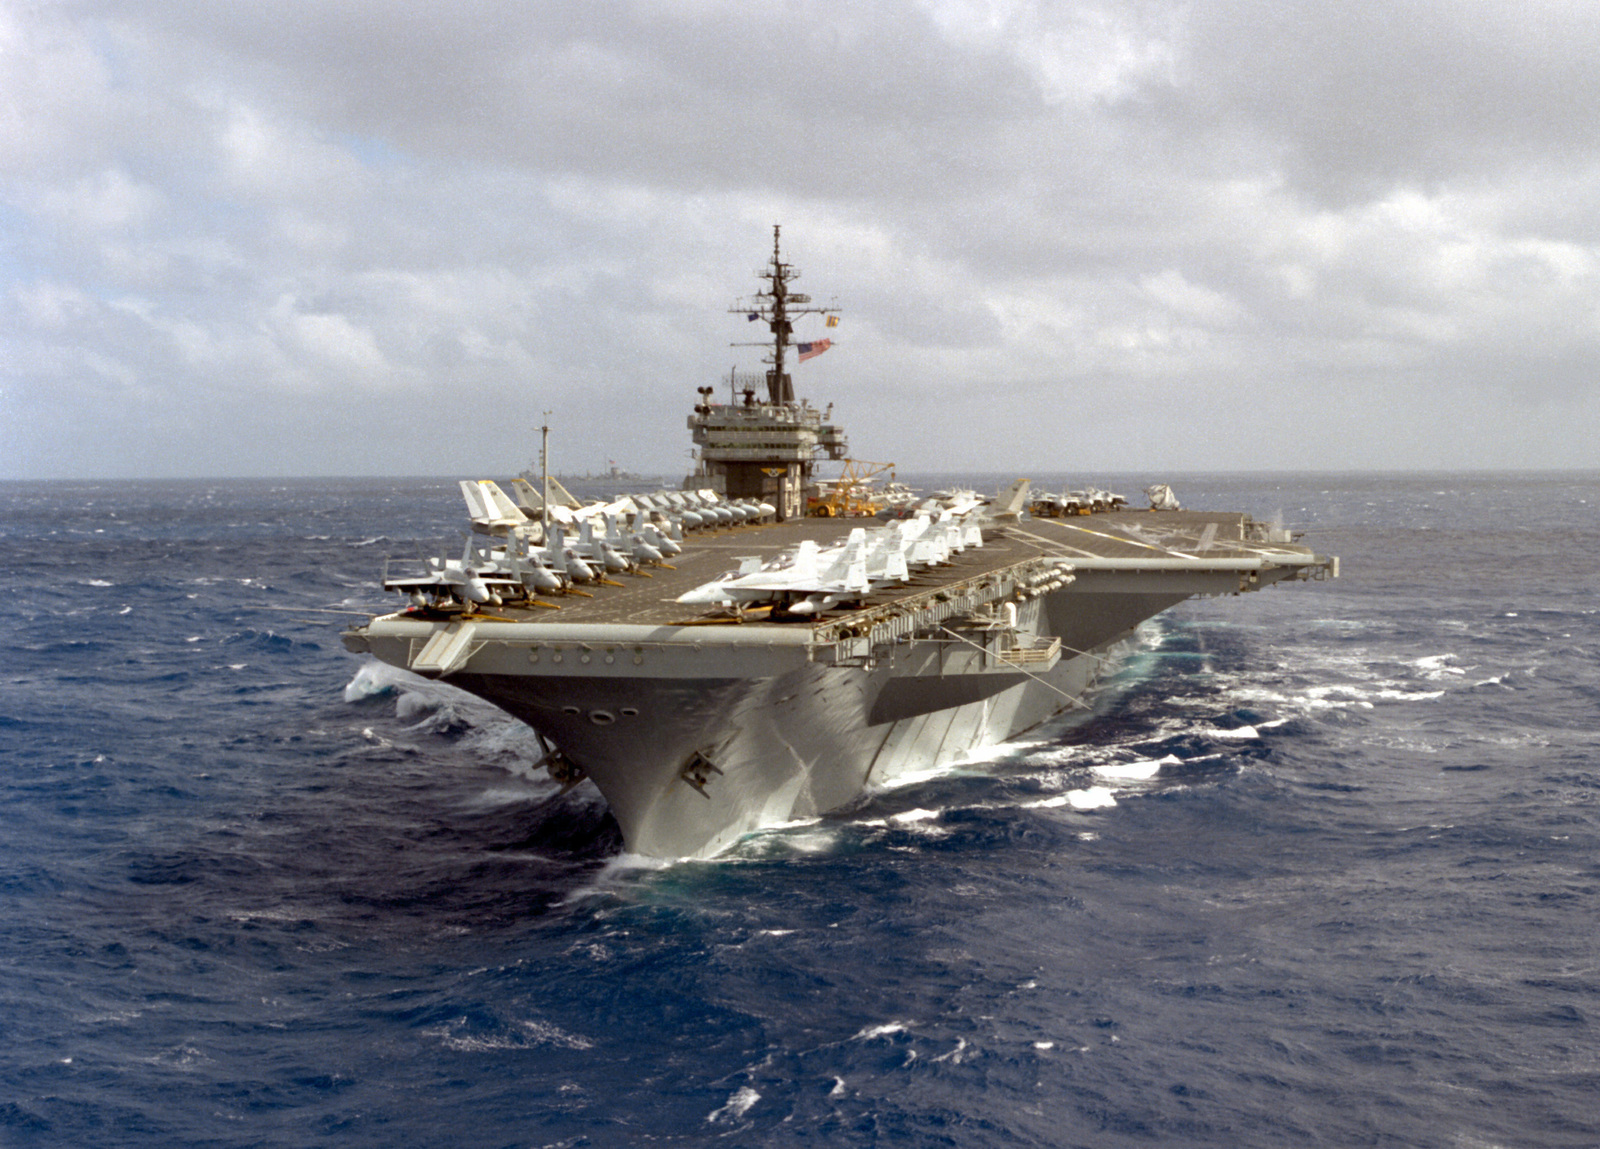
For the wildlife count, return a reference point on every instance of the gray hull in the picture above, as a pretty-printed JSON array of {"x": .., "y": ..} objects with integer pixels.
[{"x": 696, "y": 743}]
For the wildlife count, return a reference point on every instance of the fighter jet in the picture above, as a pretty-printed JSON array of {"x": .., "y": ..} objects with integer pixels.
[
  {"x": 805, "y": 581},
  {"x": 459, "y": 579}
]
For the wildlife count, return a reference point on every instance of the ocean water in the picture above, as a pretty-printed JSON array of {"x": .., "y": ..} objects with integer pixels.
[{"x": 1322, "y": 869}]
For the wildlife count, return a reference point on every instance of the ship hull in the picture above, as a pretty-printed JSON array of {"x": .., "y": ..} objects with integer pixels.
[{"x": 690, "y": 761}]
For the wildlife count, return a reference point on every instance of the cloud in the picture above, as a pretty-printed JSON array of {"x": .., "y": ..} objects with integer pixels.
[
  {"x": 1353, "y": 100},
  {"x": 1108, "y": 234}
]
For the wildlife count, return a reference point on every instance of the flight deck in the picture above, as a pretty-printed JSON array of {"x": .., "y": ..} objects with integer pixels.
[{"x": 1154, "y": 541}]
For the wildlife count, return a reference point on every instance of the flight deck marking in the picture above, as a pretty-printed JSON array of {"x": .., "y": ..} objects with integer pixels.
[
  {"x": 1053, "y": 544},
  {"x": 1131, "y": 542},
  {"x": 1101, "y": 534}
]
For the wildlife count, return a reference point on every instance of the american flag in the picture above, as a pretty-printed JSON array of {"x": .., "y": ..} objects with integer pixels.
[{"x": 812, "y": 350}]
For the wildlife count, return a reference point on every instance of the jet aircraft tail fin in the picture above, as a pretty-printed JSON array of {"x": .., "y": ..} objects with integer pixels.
[
  {"x": 489, "y": 507},
  {"x": 1008, "y": 503}
]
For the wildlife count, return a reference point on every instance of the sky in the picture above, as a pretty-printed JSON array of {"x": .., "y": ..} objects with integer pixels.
[{"x": 354, "y": 237}]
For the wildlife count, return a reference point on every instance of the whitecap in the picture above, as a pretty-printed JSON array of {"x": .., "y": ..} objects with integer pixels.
[
  {"x": 916, "y": 777},
  {"x": 801, "y": 836},
  {"x": 955, "y": 1055},
  {"x": 1094, "y": 798},
  {"x": 759, "y": 844},
  {"x": 375, "y": 679},
  {"x": 1242, "y": 732},
  {"x": 1136, "y": 771},
  {"x": 1434, "y": 666},
  {"x": 1046, "y": 803},
  {"x": 472, "y": 1044},
  {"x": 1091, "y": 798},
  {"x": 737, "y": 1105},
  {"x": 614, "y": 872},
  {"x": 543, "y": 1033},
  {"x": 875, "y": 1031},
  {"x": 813, "y": 841}
]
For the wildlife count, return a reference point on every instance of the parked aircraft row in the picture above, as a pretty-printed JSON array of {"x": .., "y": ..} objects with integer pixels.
[
  {"x": 678, "y": 510},
  {"x": 810, "y": 579},
  {"x": 511, "y": 556},
  {"x": 1089, "y": 501}
]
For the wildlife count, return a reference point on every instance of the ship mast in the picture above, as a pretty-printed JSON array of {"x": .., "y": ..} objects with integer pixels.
[
  {"x": 777, "y": 305},
  {"x": 779, "y": 389},
  {"x": 544, "y": 486}
]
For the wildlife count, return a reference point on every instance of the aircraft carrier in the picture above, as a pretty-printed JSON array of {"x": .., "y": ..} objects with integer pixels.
[{"x": 716, "y": 659}]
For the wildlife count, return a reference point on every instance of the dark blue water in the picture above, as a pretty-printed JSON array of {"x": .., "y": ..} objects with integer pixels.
[{"x": 1323, "y": 869}]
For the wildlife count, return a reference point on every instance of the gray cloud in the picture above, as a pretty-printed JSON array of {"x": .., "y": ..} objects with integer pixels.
[{"x": 372, "y": 238}]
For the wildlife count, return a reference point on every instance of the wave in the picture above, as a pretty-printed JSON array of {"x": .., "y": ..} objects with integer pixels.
[
  {"x": 1087, "y": 798},
  {"x": 737, "y": 1105},
  {"x": 469, "y": 1035},
  {"x": 264, "y": 640}
]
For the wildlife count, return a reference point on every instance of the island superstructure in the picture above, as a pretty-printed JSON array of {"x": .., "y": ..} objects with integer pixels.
[
  {"x": 716, "y": 661},
  {"x": 763, "y": 443}
]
